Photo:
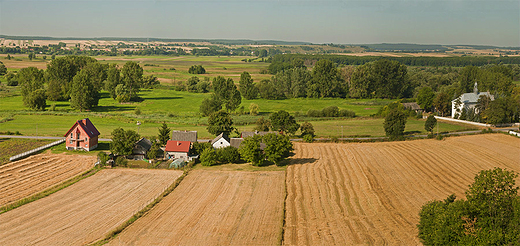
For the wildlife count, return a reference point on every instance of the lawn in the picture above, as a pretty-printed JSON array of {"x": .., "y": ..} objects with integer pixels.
[{"x": 14, "y": 146}]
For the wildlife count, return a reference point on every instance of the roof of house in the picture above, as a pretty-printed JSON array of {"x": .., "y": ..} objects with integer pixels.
[
  {"x": 412, "y": 106},
  {"x": 250, "y": 134},
  {"x": 178, "y": 146},
  {"x": 473, "y": 97},
  {"x": 235, "y": 142},
  {"x": 87, "y": 126},
  {"x": 184, "y": 136},
  {"x": 142, "y": 146},
  {"x": 222, "y": 135}
]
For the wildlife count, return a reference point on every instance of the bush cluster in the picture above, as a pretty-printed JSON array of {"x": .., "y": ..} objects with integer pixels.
[{"x": 331, "y": 111}]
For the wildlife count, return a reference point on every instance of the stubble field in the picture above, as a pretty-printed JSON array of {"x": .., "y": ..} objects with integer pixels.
[
  {"x": 214, "y": 208},
  {"x": 349, "y": 194},
  {"x": 36, "y": 173},
  {"x": 86, "y": 211}
]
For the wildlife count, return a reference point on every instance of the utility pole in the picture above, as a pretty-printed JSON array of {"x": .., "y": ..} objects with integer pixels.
[{"x": 138, "y": 124}]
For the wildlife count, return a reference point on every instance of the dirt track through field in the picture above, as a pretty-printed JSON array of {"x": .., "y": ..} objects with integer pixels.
[
  {"x": 36, "y": 173},
  {"x": 214, "y": 208},
  {"x": 86, "y": 211},
  {"x": 371, "y": 193}
]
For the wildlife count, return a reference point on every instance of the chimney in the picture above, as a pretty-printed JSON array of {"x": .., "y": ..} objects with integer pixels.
[
  {"x": 178, "y": 143},
  {"x": 84, "y": 121}
]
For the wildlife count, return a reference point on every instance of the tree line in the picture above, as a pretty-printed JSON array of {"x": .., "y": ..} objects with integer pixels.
[{"x": 80, "y": 80}]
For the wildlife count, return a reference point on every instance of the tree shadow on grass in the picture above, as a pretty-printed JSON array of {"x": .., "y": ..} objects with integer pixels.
[
  {"x": 162, "y": 98},
  {"x": 411, "y": 132},
  {"x": 103, "y": 146},
  {"x": 112, "y": 108},
  {"x": 299, "y": 161}
]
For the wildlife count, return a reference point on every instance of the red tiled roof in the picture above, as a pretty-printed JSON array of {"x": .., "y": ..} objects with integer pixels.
[
  {"x": 178, "y": 146},
  {"x": 87, "y": 126}
]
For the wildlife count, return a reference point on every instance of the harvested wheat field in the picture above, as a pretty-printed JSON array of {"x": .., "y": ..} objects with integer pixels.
[
  {"x": 371, "y": 193},
  {"x": 36, "y": 173},
  {"x": 214, "y": 208},
  {"x": 86, "y": 211}
]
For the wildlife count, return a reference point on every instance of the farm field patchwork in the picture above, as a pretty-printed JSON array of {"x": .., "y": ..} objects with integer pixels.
[
  {"x": 36, "y": 173},
  {"x": 371, "y": 193},
  {"x": 214, "y": 208},
  {"x": 86, "y": 211}
]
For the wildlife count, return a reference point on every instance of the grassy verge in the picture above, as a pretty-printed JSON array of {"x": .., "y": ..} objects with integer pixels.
[
  {"x": 142, "y": 212},
  {"x": 49, "y": 191}
]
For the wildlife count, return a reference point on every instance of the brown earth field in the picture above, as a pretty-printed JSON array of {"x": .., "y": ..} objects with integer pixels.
[
  {"x": 36, "y": 173},
  {"x": 371, "y": 193},
  {"x": 86, "y": 211},
  {"x": 214, "y": 208}
]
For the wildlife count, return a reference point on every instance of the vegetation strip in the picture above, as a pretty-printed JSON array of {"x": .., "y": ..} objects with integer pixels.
[
  {"x": 49, "y": 191},
  {"x": 284, "y": 208},
  {"x": 142, "y": 212}
]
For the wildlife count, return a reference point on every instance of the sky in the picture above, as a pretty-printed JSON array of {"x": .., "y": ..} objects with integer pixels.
[{"x": 449, "y": 22}]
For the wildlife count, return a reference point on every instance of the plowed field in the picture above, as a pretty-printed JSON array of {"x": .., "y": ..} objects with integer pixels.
[
  {"x": 371, "y": 193},
  {"x": 85, "y": 211},
  {"x": 36, "y": 173},
  {"x": 214, "y": 208}
]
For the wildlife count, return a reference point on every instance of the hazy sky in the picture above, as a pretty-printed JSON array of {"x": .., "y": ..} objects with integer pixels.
[{"x": 491, "y": 22}]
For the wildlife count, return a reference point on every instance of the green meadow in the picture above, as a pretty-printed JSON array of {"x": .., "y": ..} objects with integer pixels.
[{"x": 179, "y": 109}]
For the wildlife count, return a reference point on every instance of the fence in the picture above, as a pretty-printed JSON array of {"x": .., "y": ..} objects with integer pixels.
[
  {"x": 463, "y": 121},
  {"x": 514, "y": 133},
  {"x": 30, "y": 152}
]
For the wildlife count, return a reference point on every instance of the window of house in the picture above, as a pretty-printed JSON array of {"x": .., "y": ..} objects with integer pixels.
[
  {"x": 71, "y": 136},
  {"x": 70, "y": 141}
]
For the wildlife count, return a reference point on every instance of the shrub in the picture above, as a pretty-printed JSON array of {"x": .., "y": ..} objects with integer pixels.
[
  {"x": 102, "y": 158},
  {"x": 198, "y": 148},
  {"x": 208, "y": 157},
  {"x": 228, "y": 155},
  {"x": 121, "y": 161},
  {"x": 331, "y": 111},
  {"x": 347, "y": 113},
  {"x": 314, "y": 113},
  {"x": 196, "y": 69},
  {"x": 137, "y": 111},
  {"x": 308, "y": 138}
]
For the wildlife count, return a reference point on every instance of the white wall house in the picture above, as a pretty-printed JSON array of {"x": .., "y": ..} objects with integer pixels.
[{"x": 221, "y": 141}]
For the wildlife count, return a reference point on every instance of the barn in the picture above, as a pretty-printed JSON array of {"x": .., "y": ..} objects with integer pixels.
[{"x": 83, "y": 135}]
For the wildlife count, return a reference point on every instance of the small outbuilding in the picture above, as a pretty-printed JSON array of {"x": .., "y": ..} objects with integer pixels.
[
  {"x": 83, "y": 135},
  {"x": 141, "y": 148}
]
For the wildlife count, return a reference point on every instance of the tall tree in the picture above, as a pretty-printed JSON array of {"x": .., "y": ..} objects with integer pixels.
[
  {"x": 227, "y": 93},
  {"x": 442, "y": 103},
  {"x": 85, "y": 91},
  {"x": 430, "y": 123},
  {"x": 113, "y": 79},
  {"x": 123, "y": 142},
  {"x": 380, "y": 79},
  {"x": 31, "y": 79},
  {"x": 210, "y": 105},
  {"x": 164, "y": 134},
  {"x": 132, "y": 77},
  {"x": 247, "y": 87},
  {"x": 220, "y": 122},
  {"x": 425, "y": 98},
  {"x": 277, "y": 147},
  {"x": 3, "y": 69},
  {"x": 326, "y": 81},
  {"x": 250, "y": 150},
  {"x": 284, "y": 122},
  {"x": 60, "y": 73},
  {"x": 395, "y": 123}
]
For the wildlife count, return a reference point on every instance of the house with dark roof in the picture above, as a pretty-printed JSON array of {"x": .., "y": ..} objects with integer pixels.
[
  {"x": 468, "y": 101},
  {"x": 178, "y": 150},
  {"x": 413, "y": 106},
  {"x": 141, "y": 148},
  {"x": 83, "y": 135},
  {"x": 184, "y": 136},
  {"x": 221, "y": 141},
  {"x": 250, "y": 134}
]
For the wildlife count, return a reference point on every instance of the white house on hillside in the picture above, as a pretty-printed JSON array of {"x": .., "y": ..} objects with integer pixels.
[{"x": 468, "y": 101}]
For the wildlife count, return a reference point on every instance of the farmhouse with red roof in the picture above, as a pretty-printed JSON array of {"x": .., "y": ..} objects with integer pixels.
[
  {"x": 83, "y": 135},
  {"x": 178, "y": 149}
]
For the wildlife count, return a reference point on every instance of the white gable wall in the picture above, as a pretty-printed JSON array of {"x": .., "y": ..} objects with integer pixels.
[{"x": 221, "y": 143}]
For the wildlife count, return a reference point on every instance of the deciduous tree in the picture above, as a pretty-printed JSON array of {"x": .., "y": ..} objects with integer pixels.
[
  {"x": 284, "y": 122},
  {"x": 220, "y": 122},
  {"x": 123, "y": 142},
  {"x": 394, "y": 124}
]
